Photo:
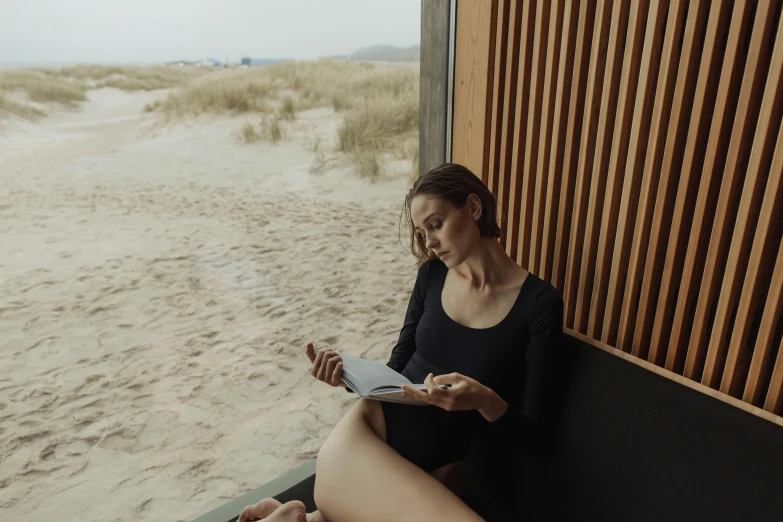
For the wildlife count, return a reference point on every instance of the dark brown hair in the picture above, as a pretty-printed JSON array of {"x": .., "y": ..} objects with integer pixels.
[{"x": 452, "y": 183}]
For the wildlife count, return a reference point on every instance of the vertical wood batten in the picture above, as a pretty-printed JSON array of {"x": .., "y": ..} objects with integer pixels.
[
  {"x": 769, "y": 338},
  {"x": 766, "y": 245},
  {"x": 557, "y": 178},
  {"x": 533, "y": 135},
  {"x": 634, "y": 167},
  {"x": 584, "y": 40},
  {"x": 495, "y": 135},
  {"x": 545, "y": 134},
  {"x": 603, "y": 146},
  {"x": 614, "y": 177},
  {"x": 664, "y": 95},
  {"x": 745, "y": 265},
  {"x": 510, "y": 108},
  {"x": 586, "y": 148},
  {"x": 704, "y": 336},
  {"x": 520, "y": 126},
  {"x": 689, "y": 176},
  {"x": 672, "y": 158},
  {"x": 706, "y": 201}
]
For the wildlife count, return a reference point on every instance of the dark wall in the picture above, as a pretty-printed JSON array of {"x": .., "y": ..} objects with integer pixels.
[{"x": 633, "y": 445}]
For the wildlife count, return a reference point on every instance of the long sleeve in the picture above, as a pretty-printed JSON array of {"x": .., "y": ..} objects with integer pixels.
[
  {"x": 532, "y": 410},
  {"x": 406, "y": 344}
]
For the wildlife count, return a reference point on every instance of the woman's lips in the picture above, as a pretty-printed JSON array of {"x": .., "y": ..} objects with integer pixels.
[{"x": 442, "y": 255}]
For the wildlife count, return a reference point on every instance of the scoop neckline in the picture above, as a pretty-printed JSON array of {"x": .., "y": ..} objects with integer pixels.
[{"x": 516, "y": 301}]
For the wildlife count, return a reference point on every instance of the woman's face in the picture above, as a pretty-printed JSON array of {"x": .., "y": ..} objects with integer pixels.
[{"x": 446, "y": 230}]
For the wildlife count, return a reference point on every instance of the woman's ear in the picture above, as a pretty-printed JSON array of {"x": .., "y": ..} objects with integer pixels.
[{"x": 475, "y": 206}]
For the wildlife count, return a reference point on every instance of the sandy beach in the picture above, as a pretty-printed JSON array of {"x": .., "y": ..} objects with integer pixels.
[{"x": 158, "y": 283}]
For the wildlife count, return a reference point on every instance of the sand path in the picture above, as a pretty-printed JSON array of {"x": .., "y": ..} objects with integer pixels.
[{"x": 158, "y": 284}]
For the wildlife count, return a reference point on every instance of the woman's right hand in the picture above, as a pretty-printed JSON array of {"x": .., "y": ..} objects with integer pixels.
[{"x": 327, "y": 366}]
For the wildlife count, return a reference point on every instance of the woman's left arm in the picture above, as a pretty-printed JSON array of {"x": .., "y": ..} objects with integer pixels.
[{"x": 542, "y": 371}]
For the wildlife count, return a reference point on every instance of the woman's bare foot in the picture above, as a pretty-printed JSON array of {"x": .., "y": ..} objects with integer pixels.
[
  {"x": 293, "y": 511},
  {"x": 260, "y": 510}
]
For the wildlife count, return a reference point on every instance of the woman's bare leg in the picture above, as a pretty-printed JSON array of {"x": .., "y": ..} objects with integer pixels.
[{"x": 360, "y": 478}]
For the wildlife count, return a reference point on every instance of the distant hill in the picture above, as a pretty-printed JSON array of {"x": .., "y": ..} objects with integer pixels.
[
  {"x": 383, "y": 53},
  {"x": 387, "y": 53}
]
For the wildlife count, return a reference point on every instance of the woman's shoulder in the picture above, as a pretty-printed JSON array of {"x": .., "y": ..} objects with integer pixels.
[
  {"x": 547, "y": 299},
  {"x": 432, "y": 266}
]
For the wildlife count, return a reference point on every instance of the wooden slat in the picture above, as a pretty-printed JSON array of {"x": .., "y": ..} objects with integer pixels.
[
  {"x": 634, "y": 167},
  {"x": 672, "y": 157},
  {"x": 520, "y": 126},
  {"x": 584, "y": 39},
  {"x": 556, "y": 178},
  {"x": 708, "y": 369},
  {"x": 533, "y": 136},
  {"x": 614, "y": 177},
  {"x": 510, "y": 108},
  {"x": 689, "y": 176},
  {"x": 498, "y": 98},
  {"x": 766, "y": 244},
  {"x": 592, "y": 104},
  {"x": 603, "y": 146},
  {"x": 545, "y": 134},
  {"x": 762, "y": 357},
  {"x": 474, "y": 37},
  {"x": 706, "y": 201},
  {"x": 664, "y": 94},
  {"x": 743, "y": 270}
]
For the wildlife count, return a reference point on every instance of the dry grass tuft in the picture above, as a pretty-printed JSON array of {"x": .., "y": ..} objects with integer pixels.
[
  {"x": 18, "y": 109},
  {"x": 287, "y": 111},
  {"x": 380, "y": 103},
  {"x": 69, "y": 85},
  {"x": 249, "y": 134}
]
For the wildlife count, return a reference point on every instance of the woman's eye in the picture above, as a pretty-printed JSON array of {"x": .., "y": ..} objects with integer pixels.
[{"x": 438, "y": 226}]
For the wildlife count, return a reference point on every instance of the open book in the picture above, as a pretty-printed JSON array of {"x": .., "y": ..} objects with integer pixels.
[{"x": 375, "y": 380}]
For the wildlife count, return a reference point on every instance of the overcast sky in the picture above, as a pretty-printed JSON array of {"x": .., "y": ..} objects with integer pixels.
[{"x": 143, "y": 31}]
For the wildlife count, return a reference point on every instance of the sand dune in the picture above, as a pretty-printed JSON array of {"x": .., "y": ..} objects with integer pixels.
[{"x": 158, "y": 284}]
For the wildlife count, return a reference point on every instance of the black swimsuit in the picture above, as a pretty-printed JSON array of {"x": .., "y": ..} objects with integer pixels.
[{"x": 518, "y": 358}]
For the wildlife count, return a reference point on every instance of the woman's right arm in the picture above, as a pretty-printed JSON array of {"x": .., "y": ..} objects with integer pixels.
[{"x": 406, "y": 344}]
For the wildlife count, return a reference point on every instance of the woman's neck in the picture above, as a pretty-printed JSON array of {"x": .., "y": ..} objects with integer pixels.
[{"x": 488, "y": 266}]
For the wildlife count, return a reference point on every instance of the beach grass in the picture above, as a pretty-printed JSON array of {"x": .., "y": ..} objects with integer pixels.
[
  {"x": 379, "y": 103},
  {"x": 69, "y": 85}
]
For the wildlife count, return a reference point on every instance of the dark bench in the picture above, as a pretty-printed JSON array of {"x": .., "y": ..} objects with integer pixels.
[{"x": 630, "y": 445}]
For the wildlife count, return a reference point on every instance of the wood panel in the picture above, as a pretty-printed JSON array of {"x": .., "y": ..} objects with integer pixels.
[
  {"x": 707, "y": 199},
  {"x": 636, "y": 153},
  {"x": 473, "y": 75},
  {"x": 634, "y": 168}
]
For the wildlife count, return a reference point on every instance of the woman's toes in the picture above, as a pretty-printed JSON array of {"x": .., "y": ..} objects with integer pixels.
[
  {"x": 293, "y": 511},
  {"x": 259, "y": 510}
]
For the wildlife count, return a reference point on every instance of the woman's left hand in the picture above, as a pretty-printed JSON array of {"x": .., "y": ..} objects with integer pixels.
[{"x": 465, "y": 393}]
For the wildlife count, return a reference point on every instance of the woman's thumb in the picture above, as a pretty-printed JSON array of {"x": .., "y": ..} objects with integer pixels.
[{"x": 310, "y": 351}]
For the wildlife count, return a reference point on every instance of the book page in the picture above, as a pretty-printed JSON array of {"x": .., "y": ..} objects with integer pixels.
[{"x": 370, "y": 375}]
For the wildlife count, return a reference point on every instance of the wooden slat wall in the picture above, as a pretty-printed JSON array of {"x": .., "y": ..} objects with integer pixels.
[{"x": 636, "y": 152}]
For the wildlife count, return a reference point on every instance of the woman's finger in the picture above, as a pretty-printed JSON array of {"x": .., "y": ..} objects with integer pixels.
[
  {"x": 413, "y": 393},
  {"x": 338, "y": 370},
  {"x": 317, "y": 363},
  {"x": 310, "y": 351},
  {"x": 322, "y": 369},
  {"x": 330, "y": 364}
]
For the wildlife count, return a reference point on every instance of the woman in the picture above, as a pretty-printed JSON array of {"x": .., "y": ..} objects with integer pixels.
[{"x": 476, "y": 320}]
